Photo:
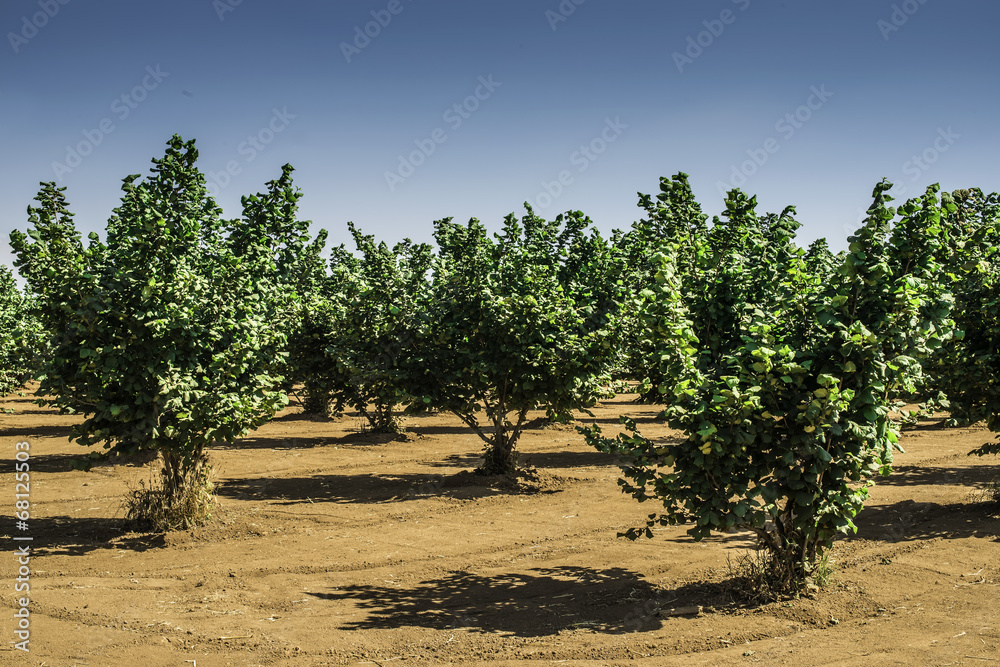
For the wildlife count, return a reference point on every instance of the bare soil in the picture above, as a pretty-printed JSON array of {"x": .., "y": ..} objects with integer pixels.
[{"x": 331, "y": 546}]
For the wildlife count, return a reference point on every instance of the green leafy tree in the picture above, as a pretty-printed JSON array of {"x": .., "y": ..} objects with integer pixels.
[
  {"x": 673, "y": 217},
  {"x": 820, "y": 261},
  {"x": 965, "y": 372},
  {"x": 162, "y": 335},
  {"x": 501, "y": 333},
  {"x": 21, "y": 336},
  {"x": 785, "y": 399},
  {"x": 372, "y": 327},
  {"x": 323, "y": 309},
  {"x": 271, "y": 235},
  {"x": 592, "y": 274}
]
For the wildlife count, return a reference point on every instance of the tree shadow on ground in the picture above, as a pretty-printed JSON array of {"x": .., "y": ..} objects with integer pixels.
[
  {"x": 926, "y": 424},
  {"x": 458, "y": 461},
  {"x": 571, "y": 459},
  {"x": 439, "y": 429},
  {"x": 541, "y": 602},
  {"x": 356, "y": 439},
  {"x": 738, "y": 539},
  {"x": 55, "y": 463},
  {"x": 77, "y": 536},
  {"x": 614, "y": 421},
  {"x": 909, "y": 520},
  {"x": 976, "y": 473},
  {"x": 30, "y": 432},
  {"x": 375, "y": 488},
  {"x": 27, "y": 404},
  {"x": 308, "y": 417},
  {"x": 543, "y": 460},
  {"x": 273, "y": 442}
]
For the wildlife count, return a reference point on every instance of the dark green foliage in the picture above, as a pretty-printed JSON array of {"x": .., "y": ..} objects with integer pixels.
[
  {"x": 673, "y": 217},
  {"x": 376, "y": 308},
  {"x": 162, "y": 336},
  {"x": 322, "y": 309},
  {"x": 783, "y": 380},
  {"x": 22, "y": 343},
  {"x": 512, "y": 325},
  {"x": 965, "y": 373},
  {"x": 271, "y": 235}
]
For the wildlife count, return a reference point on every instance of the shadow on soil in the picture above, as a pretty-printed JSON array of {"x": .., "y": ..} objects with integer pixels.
[
  {"x": 64, "y": 462},
  {"x": 976, "y": 474},
  {"x": 458, "y": 461},
  {"x": 928, "y": 424},
  {"x": 542, "y": 602},
  {"x": 615, "y": 421},
  {"x": 438, "y": 429},
  {"x": 27, "y": 433},
  {"x": 354, "y": 439},
  {"x": 571, "y": 459},
  {"x": 370, "y": 488},
  {"x": 908, "y": 520},
  {"x": 76, "y": 536},
  {"x": 306, "y": 417},
  {"x": 743, "y": 539}
]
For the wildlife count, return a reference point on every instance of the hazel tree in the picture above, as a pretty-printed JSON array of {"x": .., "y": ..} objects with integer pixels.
[
  {"x": 162, "y": 335},
  {"x": 500, "y": 334},
  {"x": 786, "y": 409},
  {"x": 21, "y": 335}
]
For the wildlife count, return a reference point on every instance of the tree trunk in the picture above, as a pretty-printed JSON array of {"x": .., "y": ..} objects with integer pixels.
[
  {"x": 317, "y": 401},
  {"x": 792, "y": 554},
  {"x": 382, "y": 418},
  {"x": 182, "y": 479},
  {"x": 500, "y": 457}
]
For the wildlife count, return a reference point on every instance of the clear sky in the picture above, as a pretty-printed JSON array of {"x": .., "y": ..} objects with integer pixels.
[{"x": 399, "y": 112}]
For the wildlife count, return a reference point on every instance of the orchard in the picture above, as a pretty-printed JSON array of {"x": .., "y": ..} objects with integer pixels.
[{"x": 784, "y": 371}]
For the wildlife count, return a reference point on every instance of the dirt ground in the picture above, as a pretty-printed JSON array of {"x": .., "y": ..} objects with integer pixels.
[{"x": 332, "y": 546}]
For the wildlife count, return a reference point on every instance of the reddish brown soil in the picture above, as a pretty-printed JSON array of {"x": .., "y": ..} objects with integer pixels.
[{"x": 331, "y": 546}]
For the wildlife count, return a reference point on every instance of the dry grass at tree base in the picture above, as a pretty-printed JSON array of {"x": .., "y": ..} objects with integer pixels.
[{"x": 150, "y": 506}]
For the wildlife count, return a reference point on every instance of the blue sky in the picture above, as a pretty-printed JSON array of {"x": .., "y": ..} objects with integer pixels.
[{"x": 399, "y": 112}]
